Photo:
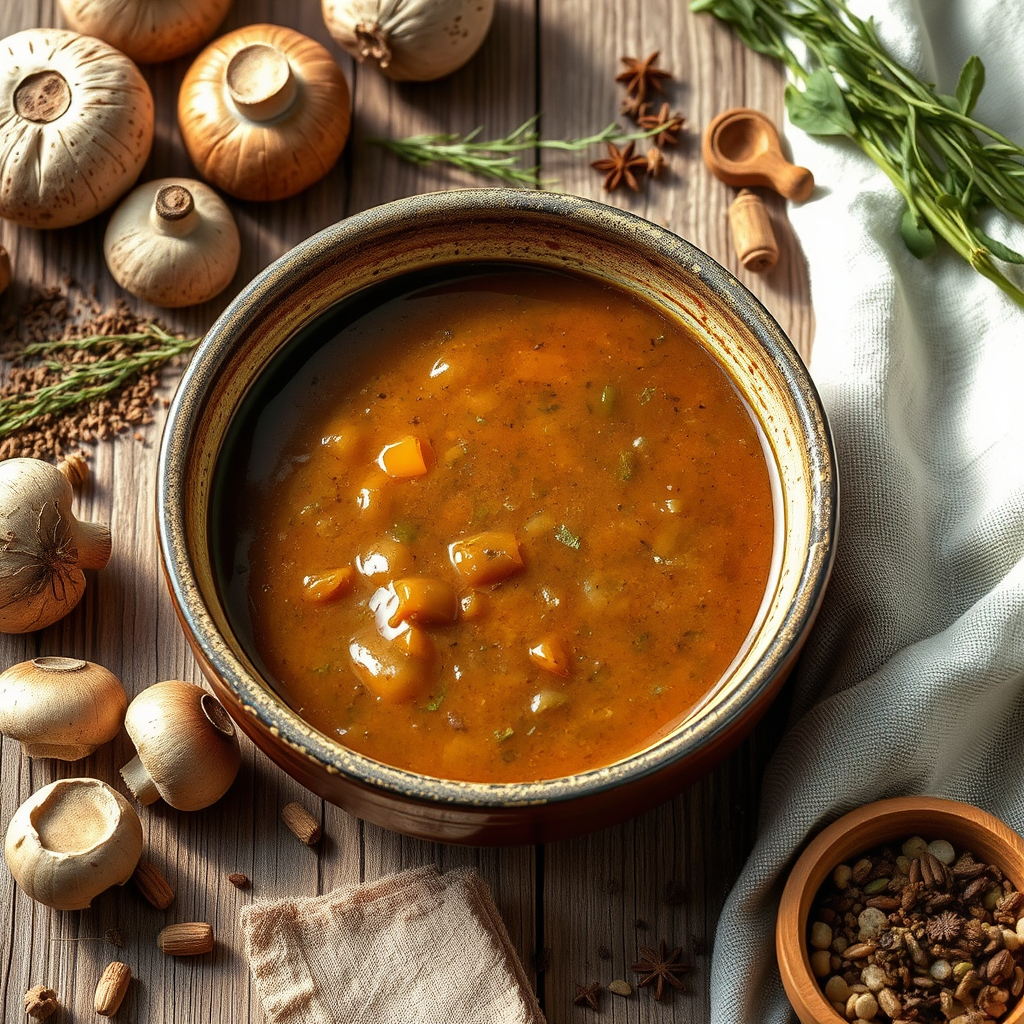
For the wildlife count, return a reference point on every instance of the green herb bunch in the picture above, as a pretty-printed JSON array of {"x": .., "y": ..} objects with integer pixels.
[
  {"x": 499, "y": 158},
  {"x": 116, "y": 359},
  {"x": 947, "y": 165}
]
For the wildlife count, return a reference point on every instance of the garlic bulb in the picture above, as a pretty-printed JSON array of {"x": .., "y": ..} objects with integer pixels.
[
  {"x": 60, "y": 707},
  {"x": 411, "y": 41},
  {"x": 147, "y": 30},
  {"x": 172, "y": 242},
  {"x": 187, "y": 746},
  {"x": 72, "y": 840},
  {"x": 43, "y": 548},
  {"x": 76, "y": 126},
  {"x": 264, "y": 112}
]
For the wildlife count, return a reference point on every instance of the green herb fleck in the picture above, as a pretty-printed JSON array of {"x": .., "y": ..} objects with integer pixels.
[
  {"x": 503, "y": 734},
  {"x": 565, "y": 536},
  {"x": 627, "y": 465},
  {"x": 405, "y": 532},
  {"x": 646, "y": 395},
  {"x": 608, "y": 397},
  {"x": 434, "y": 703}
]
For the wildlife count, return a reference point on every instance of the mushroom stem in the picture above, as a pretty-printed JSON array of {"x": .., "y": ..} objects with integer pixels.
[
  {"x": 42, "y": 97},
  {"x": 174, "y": 211},
  {"x": 140, "y": 782},
  {"x": 260, "y": 82},
  {"x": 94, "y": 545},
  {"x": 373, "y": 43}
]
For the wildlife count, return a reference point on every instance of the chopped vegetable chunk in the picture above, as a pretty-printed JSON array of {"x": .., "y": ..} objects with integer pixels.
[
  {"x": 409, "y": 457},
  {"x": 486, "y": 557},
  {"x": 330, "y": 585},
  {"x": 553, "y": 655}
]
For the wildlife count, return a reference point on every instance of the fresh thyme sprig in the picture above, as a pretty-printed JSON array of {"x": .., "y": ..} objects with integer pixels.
[
  {"x": 498, "y": 158},
  {"x": 79, "y": 383},
  {"x": 946, "y": 165}
]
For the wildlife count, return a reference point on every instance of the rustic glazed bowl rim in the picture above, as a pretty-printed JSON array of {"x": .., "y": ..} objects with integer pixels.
[
  {"x": 258, "y": 299},
  {"x": 883, "y": 821}
]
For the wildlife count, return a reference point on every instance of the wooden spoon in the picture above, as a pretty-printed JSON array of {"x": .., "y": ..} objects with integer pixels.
[{"x": 741, "y": 147}]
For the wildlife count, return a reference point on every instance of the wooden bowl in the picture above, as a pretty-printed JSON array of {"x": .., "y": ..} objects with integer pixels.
[
  {"x": 540, "y": 229},
  {"x": 965, "y": 826}
]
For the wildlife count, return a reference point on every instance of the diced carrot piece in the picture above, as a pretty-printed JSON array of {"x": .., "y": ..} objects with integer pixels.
[
  {"x": 397, "y": 670},
  {"x": 487, "y": 557},
  {"x": 406, "y": 458},
  {"x": 321, "y": 587},
  {"x": 474, "y": 605},
  {"x": 425, "y": 599},
  {"x": 553, "y": 655}
]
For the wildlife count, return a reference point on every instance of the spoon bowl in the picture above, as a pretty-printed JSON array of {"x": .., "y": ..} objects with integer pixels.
[{"x": 741, "y": 147}]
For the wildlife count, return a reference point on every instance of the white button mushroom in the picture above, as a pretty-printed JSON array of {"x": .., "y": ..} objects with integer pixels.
[
  {"x": 187, "y": 747},
  {"x": 172, "y": 242},
  {"x": 44, "y": 547},
  {"x": 72, "y": 840},
  {"x": 76, "y": 126},
  {"x": 60, "y": 707}
]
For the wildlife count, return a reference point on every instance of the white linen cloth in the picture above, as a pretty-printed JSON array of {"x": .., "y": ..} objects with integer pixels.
[{"x": 912, "y": 680}]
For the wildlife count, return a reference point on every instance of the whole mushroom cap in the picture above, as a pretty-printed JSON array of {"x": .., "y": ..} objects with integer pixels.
[
  {"x": 71, "y": 840},
  {"x": 60, "y": 707},
  {"x": 76, "y": 126},
  {"x": 187, "y": 746},
  {"x": 172, "y": 242},
  {"x": 264, "y": 112}
]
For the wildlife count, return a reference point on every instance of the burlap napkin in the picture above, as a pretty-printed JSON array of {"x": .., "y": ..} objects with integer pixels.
[
  {"x": 416, "y": 947},
  {"x": 913, "y": 678}
]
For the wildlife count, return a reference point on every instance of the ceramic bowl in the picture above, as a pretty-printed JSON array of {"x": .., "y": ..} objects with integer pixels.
[
  {"x": 965, "y": 826},
  {"x": 554, "y": 231}
]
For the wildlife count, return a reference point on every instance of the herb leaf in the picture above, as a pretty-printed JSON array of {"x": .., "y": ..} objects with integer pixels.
[
  {"x": 565, "y": 536},
  {"x": 919, "y": 238},
  {"x": 968, "y": 88},
  {"x": 820, "y": 109},
  {"x": 998, "y": 249}
]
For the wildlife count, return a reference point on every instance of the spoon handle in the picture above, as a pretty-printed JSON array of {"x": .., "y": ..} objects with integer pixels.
[{"x": 787, "y": 179}]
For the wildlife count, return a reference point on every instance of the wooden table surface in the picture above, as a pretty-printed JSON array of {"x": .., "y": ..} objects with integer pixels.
[{"x": 588, "y": 902}]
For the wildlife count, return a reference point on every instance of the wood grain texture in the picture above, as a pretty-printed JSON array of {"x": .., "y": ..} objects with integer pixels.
[{"x": 590, "y": 902}]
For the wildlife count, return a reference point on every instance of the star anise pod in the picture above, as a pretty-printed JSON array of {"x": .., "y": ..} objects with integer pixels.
[
  {"x": 632, "y": 106},
  {"x": 659, "y": 967},
  {"x": 670, "y": 125},
  {"x": 944, "y": 927},
  {"x": 619, "y": 166},
  {"x": 641, "y": 76},
  {"x": 586, "y": 995}
]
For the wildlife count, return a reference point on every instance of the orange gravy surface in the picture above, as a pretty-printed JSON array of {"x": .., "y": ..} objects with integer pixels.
[{"x": 508, "y": 527}]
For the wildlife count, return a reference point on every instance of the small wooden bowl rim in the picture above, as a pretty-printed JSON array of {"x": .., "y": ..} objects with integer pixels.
[
  {"x": 859, "y": 831},
  {"x": 760, "y": 123}
]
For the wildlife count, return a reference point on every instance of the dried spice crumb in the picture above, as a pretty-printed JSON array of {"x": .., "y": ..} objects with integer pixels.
[
  {"x": 604, "y": 952},
  {"x": 238, "y": 880},
  {"x": 588, "y": 995},
  {"x": 64, "y": 314},
  {"x": 115, "y": 938},
  {"x": 40, "y": 1002}
]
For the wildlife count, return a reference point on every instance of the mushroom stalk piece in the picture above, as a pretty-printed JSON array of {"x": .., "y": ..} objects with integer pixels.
[
  {"x": 72, "y": 840},
  {"x": 187, "y": 746}
]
